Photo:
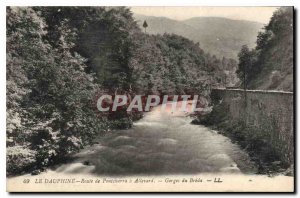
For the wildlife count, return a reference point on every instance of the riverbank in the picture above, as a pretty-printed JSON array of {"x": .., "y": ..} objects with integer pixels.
[
  {"x": 160, "y": 143},
  {"x": 260, "y": 150}
]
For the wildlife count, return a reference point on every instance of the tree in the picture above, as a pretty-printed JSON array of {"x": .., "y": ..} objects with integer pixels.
[
  {"x": 107, "y": 55},
  {"x": 145, "y": 25},
  {"x": 245, "y": 69}
]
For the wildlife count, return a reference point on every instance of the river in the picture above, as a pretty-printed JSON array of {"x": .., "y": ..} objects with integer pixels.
[
  {"x": 163, "y": 146},
  {"x": 162, "y": 142}
]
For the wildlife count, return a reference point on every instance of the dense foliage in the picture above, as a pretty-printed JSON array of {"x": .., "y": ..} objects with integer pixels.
[
  {"x": 270, "y": 64},
  {"x": 48, "y": 93},
  {"x": 60, "y": 58},
  {"x": 168, "y": 64}
]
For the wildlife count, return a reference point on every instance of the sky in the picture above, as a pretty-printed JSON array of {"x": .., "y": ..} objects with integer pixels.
[{"x": 258, "y": 14}]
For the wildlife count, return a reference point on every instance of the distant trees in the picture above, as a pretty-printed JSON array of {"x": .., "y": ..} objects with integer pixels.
[{"x": 168, "y": 64}]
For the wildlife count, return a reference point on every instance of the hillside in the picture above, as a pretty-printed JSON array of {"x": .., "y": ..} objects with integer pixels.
[
  {"x": 60, "y": 59},
  {"x": 270, "y": 65},
  {"x": 168, "y": 64},
  {"x": 218, "y": 36}
]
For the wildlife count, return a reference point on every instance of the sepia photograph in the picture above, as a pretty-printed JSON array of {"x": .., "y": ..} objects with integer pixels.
[{"x": 150, "y": 99}]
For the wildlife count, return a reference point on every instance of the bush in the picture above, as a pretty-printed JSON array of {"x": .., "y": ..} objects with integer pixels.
[{"x": 19, "y": 159}]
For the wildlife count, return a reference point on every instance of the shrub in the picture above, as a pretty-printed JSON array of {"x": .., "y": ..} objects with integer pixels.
[{"x": 19, "y": 159}]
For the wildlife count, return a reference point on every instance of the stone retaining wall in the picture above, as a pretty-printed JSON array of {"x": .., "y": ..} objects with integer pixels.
[{"x": 268, "y": 113}]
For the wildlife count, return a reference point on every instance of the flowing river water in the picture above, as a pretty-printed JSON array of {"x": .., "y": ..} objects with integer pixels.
[
  {"x": 162, "y": 145},
  {"x": 162, "y": 142}
]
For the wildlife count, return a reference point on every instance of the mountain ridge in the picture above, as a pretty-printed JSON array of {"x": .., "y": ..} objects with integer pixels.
[{"x": 224, "y": 39}]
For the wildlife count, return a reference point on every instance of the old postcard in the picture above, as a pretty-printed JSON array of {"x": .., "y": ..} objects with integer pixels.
[{"x": 149, "y": 99}]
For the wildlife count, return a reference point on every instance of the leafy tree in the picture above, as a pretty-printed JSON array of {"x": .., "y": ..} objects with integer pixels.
[
  {"x": 145, "y": 25},
  {"x": 107, "y": 55},
  {"x": 246, "y": 65}
]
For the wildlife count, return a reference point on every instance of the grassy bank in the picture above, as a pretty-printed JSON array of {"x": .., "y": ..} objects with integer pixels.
[{"x": 257, "y": 145}]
